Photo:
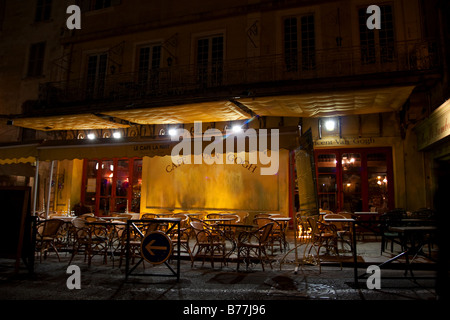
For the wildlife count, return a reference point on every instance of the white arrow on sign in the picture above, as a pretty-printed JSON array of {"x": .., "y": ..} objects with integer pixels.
[{"x": 149, "y": 247}]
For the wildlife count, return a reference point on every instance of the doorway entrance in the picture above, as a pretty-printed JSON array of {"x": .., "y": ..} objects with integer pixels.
[
  {"x": 355, "y": 180},
  {"x": 112, "y": 185}
]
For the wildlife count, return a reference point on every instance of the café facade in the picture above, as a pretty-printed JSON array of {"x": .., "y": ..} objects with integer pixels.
[{"x": 339, "y": 161}]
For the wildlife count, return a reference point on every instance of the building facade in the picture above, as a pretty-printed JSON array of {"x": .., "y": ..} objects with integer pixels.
[{"x": 346, "y": 100}]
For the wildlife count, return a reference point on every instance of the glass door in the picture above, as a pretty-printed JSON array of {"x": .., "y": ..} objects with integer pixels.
[
  {"x": 355, "y": 179},
  {"x": 327, "y": 181},
  {"x": 112, "y": 185},
  {"x": 351, "y": 186}
]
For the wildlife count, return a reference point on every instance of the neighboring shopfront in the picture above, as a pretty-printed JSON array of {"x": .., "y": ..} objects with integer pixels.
[{"x": 433, "y": 139}]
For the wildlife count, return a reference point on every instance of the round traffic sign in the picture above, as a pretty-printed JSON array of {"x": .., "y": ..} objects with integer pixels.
[{"x": 156, "y": 247}]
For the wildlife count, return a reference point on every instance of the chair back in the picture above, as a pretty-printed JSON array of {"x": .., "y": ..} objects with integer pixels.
[
  {"x": 235, "y": 217},
  {"x": 265, "y": 232},
  {"x": 51, "y": 227},
  {"x": 147, "y": 216},
  {"x": 83, "y": 216},
  {"x": 80, "y": 229},
  {"x": 199, "y": 230},
  {"x": 339, "y": 225},
  {"x": 214, "y": 215}
]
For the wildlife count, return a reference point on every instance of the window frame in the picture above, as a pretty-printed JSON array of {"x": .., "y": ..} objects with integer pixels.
[
  {"x": 36, "y": 59},
  {"x": 302, "y": 54},
  {"x": 43, "y": 10}
]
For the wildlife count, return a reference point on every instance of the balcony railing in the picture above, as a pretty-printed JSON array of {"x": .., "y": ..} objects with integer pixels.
[{"x": 184, "y": 80}]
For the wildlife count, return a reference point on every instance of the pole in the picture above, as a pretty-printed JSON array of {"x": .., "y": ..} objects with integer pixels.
[
  {"x": 49, "y": 190},
  {"x": 36, "y": 185}
]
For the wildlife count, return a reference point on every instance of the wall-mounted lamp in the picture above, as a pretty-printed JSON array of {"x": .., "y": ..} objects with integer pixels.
[
  {"x": 172, "y": 131},
  {"x": 330, "y": 124}
]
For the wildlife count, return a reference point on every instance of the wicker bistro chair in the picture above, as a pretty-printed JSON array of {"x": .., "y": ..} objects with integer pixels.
[
  {"x": 209, "y": 243},
  {"x": 254, "y": 242},
  {"x": 48, "y": 234},
  {"x": 185, "y": 231},
  {"x": 93, "y": 237},
  {"x": 276, "y": 234},
  {"x": 323, "y": 236},
  {"x": 343, "y": 229}
]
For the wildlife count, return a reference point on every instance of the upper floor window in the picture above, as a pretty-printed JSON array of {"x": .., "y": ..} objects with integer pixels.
[
  {"x": 43, "y": 10},
  {"x": 300, "y": 43},
  {"x": 148, "y": 66},
  {"x": 377, "y": 45},
  {"x": 36, "y": 59},
  {"x": 209, "y": 60},
  {"x": 91, "y": 5},
  {"x": 96, "y": 75}
]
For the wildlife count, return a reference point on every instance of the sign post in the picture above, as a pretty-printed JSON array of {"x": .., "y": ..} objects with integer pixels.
[{"x": 156, "y": 246}]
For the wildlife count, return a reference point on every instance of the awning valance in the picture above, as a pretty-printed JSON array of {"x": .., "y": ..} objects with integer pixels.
[
  {"x": 13, "y": 154},
  {"x": 338, "y": 103},
  {"x": 187, "y": 113},
  {"x": 138, "y": 147},
  {"x": 68, "y": 122}
]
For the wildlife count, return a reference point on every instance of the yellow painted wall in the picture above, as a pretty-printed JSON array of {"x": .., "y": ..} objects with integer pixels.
[
  {"x": 69, "y": 172},
  {"x": 216, "y": 187}
]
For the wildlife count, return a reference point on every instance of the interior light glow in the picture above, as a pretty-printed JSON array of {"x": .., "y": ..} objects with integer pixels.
[
  {"x": 91, "y": 136},
  {"x": 330, "y": 125}
]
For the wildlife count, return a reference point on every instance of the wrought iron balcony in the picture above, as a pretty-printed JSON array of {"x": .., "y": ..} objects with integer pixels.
[{"x": 179, "y": 81}]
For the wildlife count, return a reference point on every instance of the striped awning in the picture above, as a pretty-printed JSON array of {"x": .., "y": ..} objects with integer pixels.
[
  {"x": 68, "y": 122},
  {"x": 339, "y": 103},
  {"x": 188, "y": 113}
]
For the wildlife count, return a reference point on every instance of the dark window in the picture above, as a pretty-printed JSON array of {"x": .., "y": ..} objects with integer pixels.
[
  {"x": 43, "y": 10},
  {"x": 290, "y": 44},
  {"x": 210, "y": 60},
  {"x": 377, "y": 44},
  {"x": 91, "y": 5},
  {"x": 386, "y": 34},
  {"x": 300, "y": 35},
  {"x": 149, "y": 64},
  {"x": 36, "y": 59},
  {"x": 96, "y": 75},
  {"x": 2, "y": 12},
  {"x": 308, "y": 43},
  {"x": 366, "y": 38}
]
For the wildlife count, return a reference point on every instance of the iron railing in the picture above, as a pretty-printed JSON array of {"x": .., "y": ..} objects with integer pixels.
[{"x": 189, "y": 79}]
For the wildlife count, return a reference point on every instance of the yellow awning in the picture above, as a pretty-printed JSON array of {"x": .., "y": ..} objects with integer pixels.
[
  {"x": 338, "y": 103},
  {"x": 187, "y": 113},
  {"x": 18, "y": 154},
  {"x": 68, "y": 122}
]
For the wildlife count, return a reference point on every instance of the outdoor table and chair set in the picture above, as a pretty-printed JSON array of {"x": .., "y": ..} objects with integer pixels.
[
  {"x": 223, "y": 237},
  {"x": 159, "y": 237}
]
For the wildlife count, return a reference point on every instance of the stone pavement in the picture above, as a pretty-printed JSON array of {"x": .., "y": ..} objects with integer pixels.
[{"x": 287, "y": 280}]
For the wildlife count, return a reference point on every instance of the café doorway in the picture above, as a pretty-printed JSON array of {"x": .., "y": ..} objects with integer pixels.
[
  {"x": 354, "y": 179},
  {"x": 112, "y": 185}
]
